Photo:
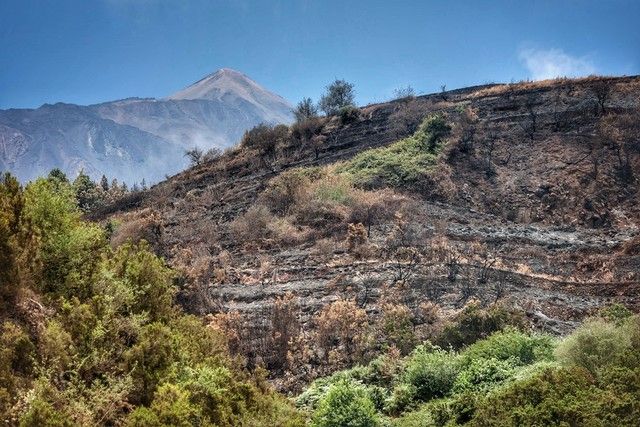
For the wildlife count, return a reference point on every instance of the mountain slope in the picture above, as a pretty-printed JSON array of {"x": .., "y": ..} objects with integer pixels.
[
  {"x": 524, "y": 202},
  {"x": 135, "y": 138},
  {"x": 73, "y": 138}
]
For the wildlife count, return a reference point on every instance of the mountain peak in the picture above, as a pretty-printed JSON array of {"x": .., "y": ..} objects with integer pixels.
[
  {"x": 236, "y": 89},
  {"x": 229, "y": 71},
  {"x": 226, "y": 82}
]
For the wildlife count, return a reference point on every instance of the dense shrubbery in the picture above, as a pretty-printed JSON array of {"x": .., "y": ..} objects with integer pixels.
[
  {"x": 91, "y": 335},
  {"x": 509, "y": 378},
  {"x": 345, "y": 404}
]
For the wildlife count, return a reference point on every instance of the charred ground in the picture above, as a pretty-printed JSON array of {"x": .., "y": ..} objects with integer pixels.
[{"x": 531, "y": 202}]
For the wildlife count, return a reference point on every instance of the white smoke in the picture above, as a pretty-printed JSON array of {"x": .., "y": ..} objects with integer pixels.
[{"x": 546, "y": 64}]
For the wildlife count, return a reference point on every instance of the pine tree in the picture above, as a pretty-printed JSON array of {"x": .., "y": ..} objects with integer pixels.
[
  {"x": 104, "y": 183},
  {"x": 86, "y": 192}
]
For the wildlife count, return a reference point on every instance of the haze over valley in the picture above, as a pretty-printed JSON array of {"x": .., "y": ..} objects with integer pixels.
[{"x": 136, "y": 139}]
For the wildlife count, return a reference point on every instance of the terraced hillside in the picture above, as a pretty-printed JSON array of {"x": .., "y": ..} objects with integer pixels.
[{"x": 530, "y": 200}]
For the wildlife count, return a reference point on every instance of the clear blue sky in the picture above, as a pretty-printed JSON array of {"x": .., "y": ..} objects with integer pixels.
[{"x": 88, "y": 51}]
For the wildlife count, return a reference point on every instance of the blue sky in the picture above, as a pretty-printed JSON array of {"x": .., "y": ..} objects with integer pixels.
[{"x": 88, "y": 51}]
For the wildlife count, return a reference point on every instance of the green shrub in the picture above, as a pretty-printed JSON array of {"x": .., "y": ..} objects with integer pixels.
[
  {"x": 16, "y": 361},
  {"x": 43, "y": 414},
  {"x": 432, "y": 372},
  {"x": 150, "y": 282},
  {"x": 68, "y": 250},
  {"x": 214, "y": 390},
  {"x": 402, "y": 399},
  {"x": 616, "y": 313},
  {"x": 11, "y": 205},
  {"x": 150, "y": 360},
  {"x": 404, "y": 163},
  {"x": 363, "y": 375},
  {"x": 474, "y": 323},
  {"x": 433, "y": 130},
  {"x": 598, "y": 344},
  {"x": 345, "y": 405},
  {"x": 171, "y": 407},
  {"x": 482, "y": 375},
  {"x": 56, "y": 347},
  {"x": 511, "y": 345},
  {"x": 349, "y": 114},
  {"x": 553, "y": 397}
]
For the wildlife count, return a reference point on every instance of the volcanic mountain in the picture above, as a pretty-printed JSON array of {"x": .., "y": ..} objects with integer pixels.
[{"x": 136, "y": 138}]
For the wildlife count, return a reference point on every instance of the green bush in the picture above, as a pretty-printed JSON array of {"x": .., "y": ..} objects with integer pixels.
[
  {"x": 16, "y": 361},
  {"x": 432, "y": 372},
  {"x": 309, "y": 399},
  {"x": 403, "y": 398},
  {"x": 403, "y": 163},
  {"x": 66, "y": 251},
  {"x": 171, "y": 407},
  {"x": 349, "y": 114},
  {"x": 135, "y": 270},
  {"x": 214, "y": 390},
  {"x": 11, "y": 205},
  {"x": 551, "y": 398},
  {"x": 513, "y": 346},
  {"x": 433, "y": 130},
  {"x": 346, "y": 405},
  {"x": 482, "y": 375},
  {"x": 616, "y": 313},
  {"x": 43, "y": 414},
  {"x": 598, "y": 345},
  {"x": 151, "y": 359},
  {"x": 474, "y": 323}
]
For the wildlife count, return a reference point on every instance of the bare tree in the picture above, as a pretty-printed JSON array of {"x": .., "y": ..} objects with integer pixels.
[
  {"x": 489, "y": 135},
  {"x": 560, "y": 113},
  {"x": 404, "y": 93},
  {"x": 530, "y": 123},
  {"x": 365, "y": 286},
  {"x": 601, "y": 89},
  {"x": 194, "y": 155},
  {"x": 465, "y": 129},
  {"x": 443, "y": 92},
  {"x": 621, "y": 133},
  {"x": 284, "y": 328},
  {"x": 211, "y": 154}
]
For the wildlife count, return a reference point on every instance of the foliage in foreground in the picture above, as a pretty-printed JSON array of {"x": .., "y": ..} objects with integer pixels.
[
  {"x": 592, "y": 377},
  {"x": 91, "y": 335}
]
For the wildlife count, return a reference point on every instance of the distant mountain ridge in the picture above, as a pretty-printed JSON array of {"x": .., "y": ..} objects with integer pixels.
[{"x": 136, "y": 138}]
